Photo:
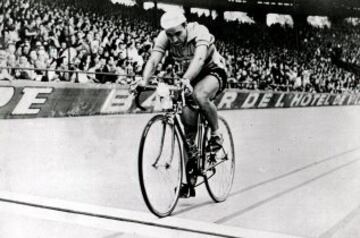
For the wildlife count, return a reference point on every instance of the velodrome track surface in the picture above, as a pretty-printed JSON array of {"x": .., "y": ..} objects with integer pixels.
[{"x": 297, "y": 175}]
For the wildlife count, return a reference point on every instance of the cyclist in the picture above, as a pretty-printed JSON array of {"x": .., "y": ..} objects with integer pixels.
[{"x": 204, "y": 75}]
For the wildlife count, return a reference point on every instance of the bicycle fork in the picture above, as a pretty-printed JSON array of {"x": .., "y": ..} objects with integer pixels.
[{"x": 168, "y": 120}]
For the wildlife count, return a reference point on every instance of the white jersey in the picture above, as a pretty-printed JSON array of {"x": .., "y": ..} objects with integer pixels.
[{"x": 183, "y": 54}]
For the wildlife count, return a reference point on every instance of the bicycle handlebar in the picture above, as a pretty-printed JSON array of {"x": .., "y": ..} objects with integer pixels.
[{"x": 144, "y": 88}]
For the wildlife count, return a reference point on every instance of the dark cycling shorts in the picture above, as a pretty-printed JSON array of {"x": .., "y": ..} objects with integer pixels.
[{"x": 218, "y": 73}]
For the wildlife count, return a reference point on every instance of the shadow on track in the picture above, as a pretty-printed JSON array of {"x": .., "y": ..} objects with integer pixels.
[{"x": 235, "y": 193}]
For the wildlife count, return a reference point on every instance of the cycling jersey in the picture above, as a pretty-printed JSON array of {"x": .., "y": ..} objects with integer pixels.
[{"x": 196, "y": 35}]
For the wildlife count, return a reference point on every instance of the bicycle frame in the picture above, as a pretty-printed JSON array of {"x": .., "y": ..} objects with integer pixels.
[
  {"x": 173, "y": 116},
  {"x": 178, "y": 127},
  {"x": 201, "y": 129}
]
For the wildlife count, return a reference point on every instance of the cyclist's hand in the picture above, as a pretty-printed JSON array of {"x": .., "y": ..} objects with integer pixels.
[{"x": 188, "y": 87}]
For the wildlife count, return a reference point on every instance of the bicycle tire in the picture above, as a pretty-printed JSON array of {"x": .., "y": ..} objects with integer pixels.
[
  {"x": 160, "y": 200},
  {"x": 220, "y": 180}
]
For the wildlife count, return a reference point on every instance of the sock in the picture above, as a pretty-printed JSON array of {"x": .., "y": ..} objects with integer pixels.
[{"x": 215, "y": 133}]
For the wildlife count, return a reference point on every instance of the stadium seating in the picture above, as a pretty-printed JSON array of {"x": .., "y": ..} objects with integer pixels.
[{"x": 57, "y": 35}]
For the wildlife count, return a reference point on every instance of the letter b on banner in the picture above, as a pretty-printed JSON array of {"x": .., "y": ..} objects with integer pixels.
[{"x": 117, "y": 101}]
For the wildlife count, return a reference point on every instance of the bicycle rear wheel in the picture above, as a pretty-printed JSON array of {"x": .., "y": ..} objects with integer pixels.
[
  {"x": 160, "y": 166},
  {"x": 220, "y": 170}
]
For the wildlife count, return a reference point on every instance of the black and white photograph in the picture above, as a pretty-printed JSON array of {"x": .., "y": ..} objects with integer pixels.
[{"x": 180, "y": 118}]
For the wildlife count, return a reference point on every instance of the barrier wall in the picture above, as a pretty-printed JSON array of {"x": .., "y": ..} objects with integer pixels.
[{"x": 28, "y": 99}]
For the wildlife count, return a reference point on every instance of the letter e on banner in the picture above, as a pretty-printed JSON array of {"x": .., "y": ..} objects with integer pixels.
[
  {"x": 28, "y": 99},
  {"x": 321, "y": 100},
  {"x": 265, "y": 100},
  {"x": 6, "y": 94}
]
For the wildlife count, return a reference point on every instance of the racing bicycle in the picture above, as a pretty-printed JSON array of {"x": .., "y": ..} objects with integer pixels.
[{"x": 161, "y": 159}]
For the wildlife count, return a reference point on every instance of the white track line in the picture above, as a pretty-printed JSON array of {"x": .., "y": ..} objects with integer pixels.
[{"x": 109, "y": 218}]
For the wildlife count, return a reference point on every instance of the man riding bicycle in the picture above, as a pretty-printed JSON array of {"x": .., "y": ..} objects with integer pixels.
[{"x": 204, "y": 75}]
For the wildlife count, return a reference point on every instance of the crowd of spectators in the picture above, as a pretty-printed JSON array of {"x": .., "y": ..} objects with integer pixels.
[
  {"x": 53, "y": 35},
  {"x": 107, "y": 48},
  {"x": 281, "y": 58}
]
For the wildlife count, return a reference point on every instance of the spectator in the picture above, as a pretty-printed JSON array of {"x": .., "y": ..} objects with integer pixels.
[
  {"x": 25, "y": 73},
  {"x": 4, "y": 73}
]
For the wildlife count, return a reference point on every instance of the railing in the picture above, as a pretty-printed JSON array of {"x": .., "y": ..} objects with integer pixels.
[
  {"x": 231, "y": 84},
  {"x": 132, "y": 76},
  {"x": 76, "y": 72}
]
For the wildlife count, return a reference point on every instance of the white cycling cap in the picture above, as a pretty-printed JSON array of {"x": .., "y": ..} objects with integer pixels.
[{"x": 172, "y": 19}]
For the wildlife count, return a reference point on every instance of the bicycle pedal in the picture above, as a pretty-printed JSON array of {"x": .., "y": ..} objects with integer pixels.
[
  {"x": 218, "y": 155},
  {"x": 187, "y": 191},
  {"x": 215, "y": 144}
]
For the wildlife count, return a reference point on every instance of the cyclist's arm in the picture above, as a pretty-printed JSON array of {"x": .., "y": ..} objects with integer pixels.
[
  {"x": 197, "y": 62},
  {"x": 151, "y": 65},
  {"x": 203, "y": 39},
  {"x": 157, "y": 53}
]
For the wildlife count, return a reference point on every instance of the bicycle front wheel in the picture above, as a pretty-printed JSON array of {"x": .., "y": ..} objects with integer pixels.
[
  {"x": 160, "y": 166},
  {"x": 219, "y": 169}
]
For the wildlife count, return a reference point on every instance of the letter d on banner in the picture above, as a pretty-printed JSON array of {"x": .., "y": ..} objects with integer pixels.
[
  {"x": 250, "y": 100},
  {"x": 6, "y": 94}
]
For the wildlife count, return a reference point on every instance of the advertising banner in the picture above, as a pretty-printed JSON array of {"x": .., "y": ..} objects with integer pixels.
[{"x": 32, "y": 99}]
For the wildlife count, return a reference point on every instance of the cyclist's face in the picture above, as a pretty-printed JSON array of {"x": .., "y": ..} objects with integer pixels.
[{"x": 176, "y": 35}]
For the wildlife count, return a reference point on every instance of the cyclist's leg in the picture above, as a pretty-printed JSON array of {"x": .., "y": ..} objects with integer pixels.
[
  {"x": 189, "y": 120},
  {"x": 205, "y": 90}
]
